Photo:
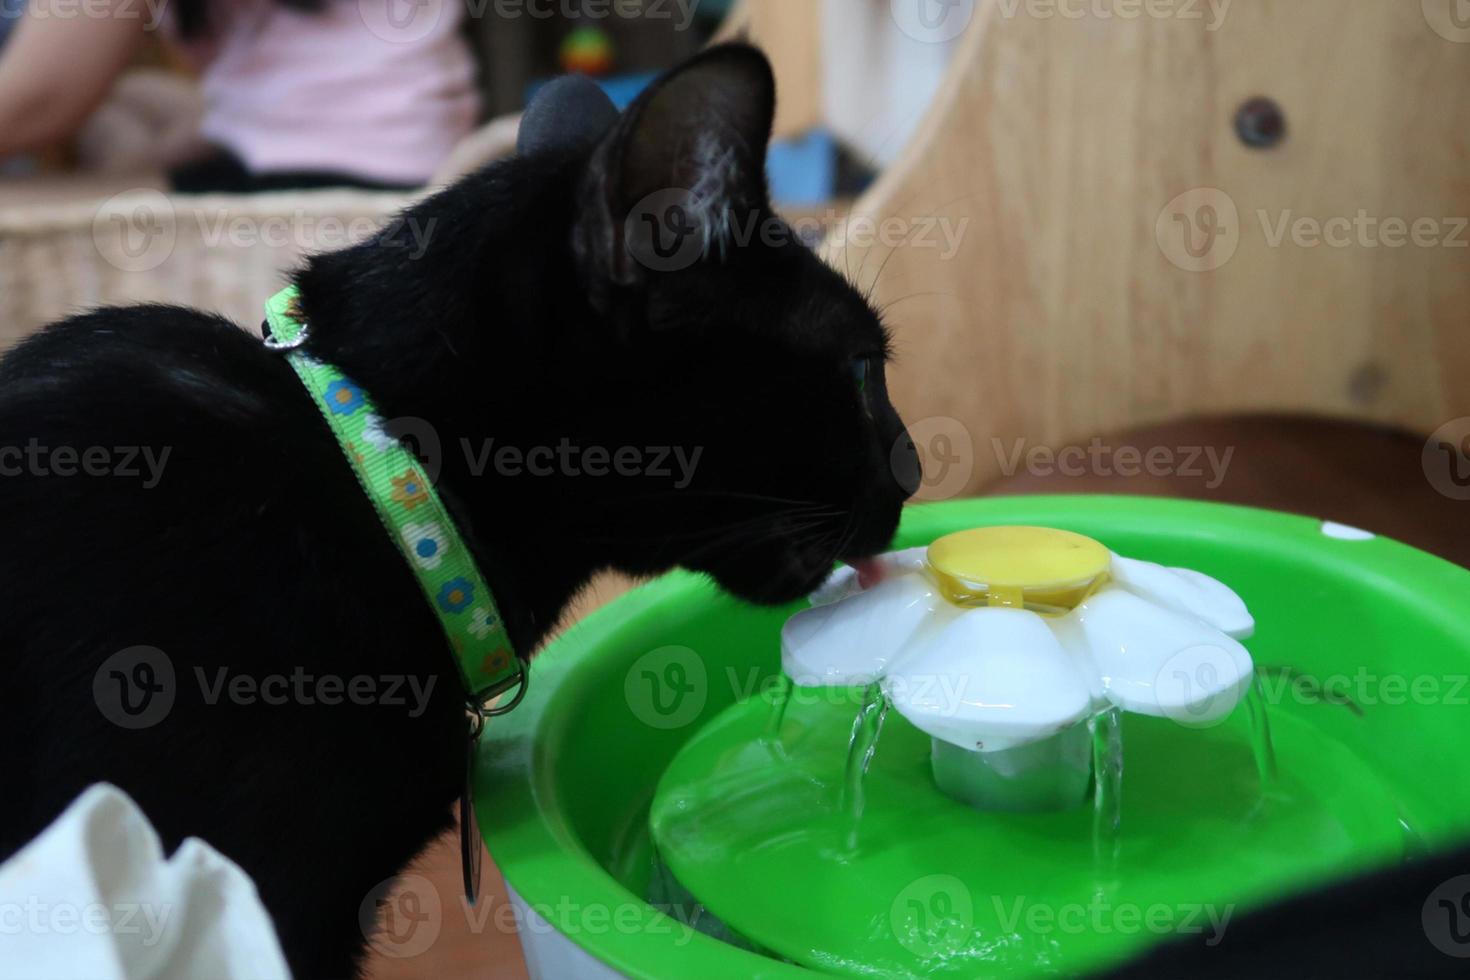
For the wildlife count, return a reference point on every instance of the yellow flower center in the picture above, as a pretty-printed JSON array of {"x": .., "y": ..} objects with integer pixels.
[{"x": 1036, "y": 568}]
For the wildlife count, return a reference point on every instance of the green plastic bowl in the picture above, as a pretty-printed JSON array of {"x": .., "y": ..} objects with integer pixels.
[{"x": 564, "y": 783}]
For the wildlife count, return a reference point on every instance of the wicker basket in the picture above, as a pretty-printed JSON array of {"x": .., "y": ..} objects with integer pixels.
[{"x": 221, "y": 253}]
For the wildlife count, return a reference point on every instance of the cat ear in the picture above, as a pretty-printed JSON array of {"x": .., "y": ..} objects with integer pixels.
[
  {"x": 686, "y": 159},
  {"x": 569, "y": 115}
]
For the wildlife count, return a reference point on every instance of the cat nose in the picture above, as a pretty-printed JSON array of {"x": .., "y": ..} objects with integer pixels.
[{"x": 904, "y": 462}]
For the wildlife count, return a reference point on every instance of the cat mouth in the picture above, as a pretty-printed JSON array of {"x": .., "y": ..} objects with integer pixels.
[
  {"x": 786, "y": 575},
  {"x": 783, "y": 566}
]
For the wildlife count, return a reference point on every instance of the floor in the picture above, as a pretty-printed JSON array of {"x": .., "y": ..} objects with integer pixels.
[
  {"x": 461, "y": 943},
  {"x": 1367, "y": 477}
]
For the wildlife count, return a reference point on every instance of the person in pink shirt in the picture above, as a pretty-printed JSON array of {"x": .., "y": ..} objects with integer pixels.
[{"x": 297, "y": 93}]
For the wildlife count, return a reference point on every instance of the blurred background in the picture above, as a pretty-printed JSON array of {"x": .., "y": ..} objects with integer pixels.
[
  {"x": 189, "y": 150},
  {"x": 1203, "y": 248}
]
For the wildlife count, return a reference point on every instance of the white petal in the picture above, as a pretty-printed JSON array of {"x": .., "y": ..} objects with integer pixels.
[
  {"x": 989, "y": 679},
  {"x": 844, "y": 582},
  {"x": 1187, "y": 591},
  {"x": 853, "y": 641},
  {"x": 1156, "y": 661}
]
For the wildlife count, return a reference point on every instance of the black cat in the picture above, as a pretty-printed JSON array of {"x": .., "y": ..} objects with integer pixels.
[{"x": 547, "y": 310}]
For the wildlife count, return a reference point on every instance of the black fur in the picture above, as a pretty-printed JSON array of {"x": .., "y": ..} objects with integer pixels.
[
  {"x": 523, "y": 318},
  {"x": 1409, "y": 922}
]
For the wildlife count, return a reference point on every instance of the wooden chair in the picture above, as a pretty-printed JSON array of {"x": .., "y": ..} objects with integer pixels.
[{"x": 1130, "y": 253}]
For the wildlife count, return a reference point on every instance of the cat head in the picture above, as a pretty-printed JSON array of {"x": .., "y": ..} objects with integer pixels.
[
  {"x": 735, "y": 344},
  {"x": 652, "y": 369}
]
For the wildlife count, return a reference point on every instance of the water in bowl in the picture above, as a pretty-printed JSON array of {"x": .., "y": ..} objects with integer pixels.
[{"x": 807, "y": 823}]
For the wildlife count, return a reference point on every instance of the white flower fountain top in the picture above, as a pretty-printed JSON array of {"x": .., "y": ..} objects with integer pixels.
[{"x": 998, "y": 637}]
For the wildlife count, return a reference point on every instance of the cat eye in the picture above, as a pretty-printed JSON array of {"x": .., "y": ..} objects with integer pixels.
[{"x": 860, "y": 368}]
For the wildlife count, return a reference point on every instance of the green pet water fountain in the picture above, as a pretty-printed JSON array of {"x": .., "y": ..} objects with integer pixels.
[{"x": 1044, "y": 735}]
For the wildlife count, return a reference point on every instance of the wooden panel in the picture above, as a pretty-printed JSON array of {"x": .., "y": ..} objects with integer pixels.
[
  {"x": 1072, "y": 306},
  {"x": 790, "y": 32}
]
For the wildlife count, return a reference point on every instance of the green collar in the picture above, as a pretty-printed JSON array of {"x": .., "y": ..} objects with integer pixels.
[{"x": 412, "y": 513}]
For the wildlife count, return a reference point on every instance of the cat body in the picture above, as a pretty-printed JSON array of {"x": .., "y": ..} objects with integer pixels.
[{"x": 232, "y": 637}]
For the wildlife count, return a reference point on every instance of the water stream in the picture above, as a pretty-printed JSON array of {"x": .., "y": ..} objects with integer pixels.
[
  {"x": 786, "y": 789},
  {"x": 867, "y": 727},
  {"x": 1260, "y": 729},
  {"x": 1105, "y": 730},
  {"x": 780, "y": 698},
  {"x": 1107, "y": 793}
]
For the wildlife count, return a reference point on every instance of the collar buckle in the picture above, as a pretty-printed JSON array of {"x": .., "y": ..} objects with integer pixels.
[{"x": 478, "y": 706}]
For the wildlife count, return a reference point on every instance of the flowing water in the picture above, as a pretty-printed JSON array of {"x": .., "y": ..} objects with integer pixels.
[
  {"x": 765, "y": 803},
  {"x": 1260, "y": 729},
  {"x": 780, "y": 698},
  {"x": 1107, "y": 791},
  {"x": 867, "y": 728}
]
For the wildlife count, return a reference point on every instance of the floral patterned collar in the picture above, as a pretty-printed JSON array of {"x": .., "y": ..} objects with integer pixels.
[{"x": 413, "y": 515}]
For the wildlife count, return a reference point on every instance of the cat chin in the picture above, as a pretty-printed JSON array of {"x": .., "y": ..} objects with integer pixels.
[{"x": 762, "y": 587}]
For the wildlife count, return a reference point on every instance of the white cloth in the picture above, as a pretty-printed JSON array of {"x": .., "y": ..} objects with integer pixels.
[
  {"x": 92, "y": 898},
  {"x": 878, "y": 78}
]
